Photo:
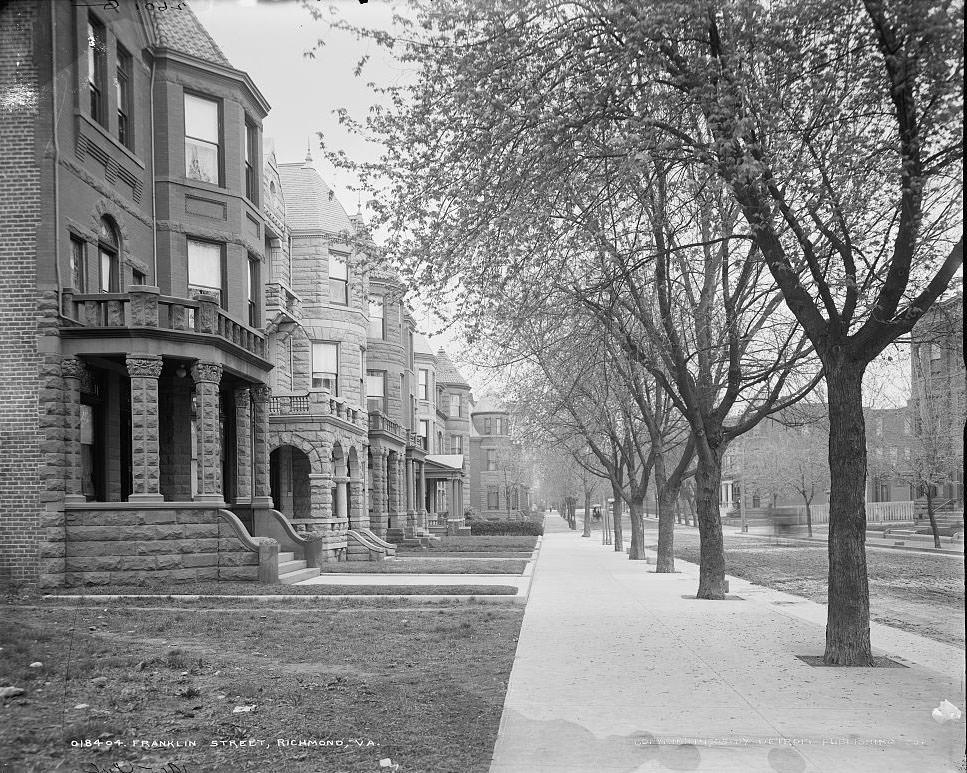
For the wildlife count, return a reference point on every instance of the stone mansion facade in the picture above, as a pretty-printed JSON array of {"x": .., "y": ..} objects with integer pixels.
[{"x": 205, "y": 375}]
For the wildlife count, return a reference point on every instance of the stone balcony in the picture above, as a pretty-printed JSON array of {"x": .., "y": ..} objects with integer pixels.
[
  {"x": 379, "y": 422},
  {"x": 316, "y": 403},
  {"x": 143, "y": 312}
]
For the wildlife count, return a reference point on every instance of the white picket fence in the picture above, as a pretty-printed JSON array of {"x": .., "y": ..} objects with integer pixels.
[{"x": 876, "y": 512}]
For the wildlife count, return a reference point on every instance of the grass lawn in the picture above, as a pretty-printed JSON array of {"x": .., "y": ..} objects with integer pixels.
[
  {"x": 416, "y": 565},
  {"x": 917, "y": 592},
  {"x": 409, "y": 552},
  {"x": 256, "y": 589},
  {"x": 423, "y": 686},
  {"x": 474, "y": 544}
]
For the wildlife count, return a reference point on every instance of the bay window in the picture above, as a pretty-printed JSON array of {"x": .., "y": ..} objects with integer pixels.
[
  {"x": 377, "y": 328},
  {"x": 338, "y": 279},
  {"x": 205, "y": 274},
  {"x": 202, "y": 139},
  {"x": 375, "y": 390},
  {"x": 325, "y": 366}
]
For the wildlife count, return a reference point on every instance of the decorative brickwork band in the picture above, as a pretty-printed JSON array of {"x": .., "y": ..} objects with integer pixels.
[
  {"x": 207, "y": 376},
  {"x": 74, "y": 371},
  {"x": 144, "y": 370},
  {"x": 260, "y": 439},
  {"x": 243, "y": 445}
]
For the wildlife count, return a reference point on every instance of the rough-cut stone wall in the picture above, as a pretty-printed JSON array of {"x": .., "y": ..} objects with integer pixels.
[{"x": 109, "y": 547}]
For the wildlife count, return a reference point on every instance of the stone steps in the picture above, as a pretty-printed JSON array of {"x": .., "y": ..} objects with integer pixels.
[
  {"x": 283, "y": 557},
  {"x": 290, "y": 578},
  {"x": 290, "y": 566}
]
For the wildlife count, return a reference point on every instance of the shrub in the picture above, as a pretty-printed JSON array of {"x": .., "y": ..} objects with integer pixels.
[{"x": 506, "y": 528}]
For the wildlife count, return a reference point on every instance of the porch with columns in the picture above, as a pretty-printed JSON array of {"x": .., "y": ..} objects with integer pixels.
[{"x": 176, "y": 448}]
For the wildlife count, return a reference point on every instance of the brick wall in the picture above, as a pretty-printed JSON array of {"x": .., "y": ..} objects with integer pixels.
[{"x": 21, "y": 456}]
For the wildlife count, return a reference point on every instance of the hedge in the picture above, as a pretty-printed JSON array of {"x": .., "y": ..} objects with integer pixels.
[{"x": 506, "y": 528}]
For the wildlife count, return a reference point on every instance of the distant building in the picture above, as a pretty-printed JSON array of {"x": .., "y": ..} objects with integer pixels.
[
  {"x": 499, "y": 476},
  {"x": 787, "y": 454},
  {"x": 938, "y": 394}
]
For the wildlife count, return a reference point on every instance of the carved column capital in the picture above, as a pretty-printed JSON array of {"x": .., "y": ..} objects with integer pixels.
[
  {"x": 261, "y": 393},
  {"x": 207, "y": 372},
  {"x": 144, "y": 365},
  {"x": 71, "y": 367},
  {"x": 242, "y": 397}
]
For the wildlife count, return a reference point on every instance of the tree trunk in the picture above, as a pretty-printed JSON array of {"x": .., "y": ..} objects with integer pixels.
[
  {"x": 637, "y": 552},
  {"x": 848, "y": 615},
  {"x": 708, "y": 481},
  {"x": 587, "y": 514},
  {"x": 809, "y": 519},
  {"x": 933, "y": 518},
  {"x": 616, "y": 510},
  {"x": 571, "y": 513},
  {"x": 667, "y": 497}
]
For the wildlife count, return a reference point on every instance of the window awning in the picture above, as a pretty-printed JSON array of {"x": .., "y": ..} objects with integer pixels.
[{"x": 444, "y": 466}]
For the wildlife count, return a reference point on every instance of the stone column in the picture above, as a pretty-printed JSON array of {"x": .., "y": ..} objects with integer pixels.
[
  {"x": 73, "y": 371},
  {"x": 207, "y": 376},
  {"x": 243, "y": 446},
  {"x": 400, "y": 504},
  {"x": 262, "y": 493},
  {"x": 408, "y": 471},
  {"x": 379, "y": 491},
  {"x": 321, "y": 505},
  {"x": 144, "y": 370},
  {"x": 341, "y": 505},
  {"x": 357, "y": 504}
]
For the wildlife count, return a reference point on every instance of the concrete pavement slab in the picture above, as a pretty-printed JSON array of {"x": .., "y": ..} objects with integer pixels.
[{"x": 616, "y": 671}]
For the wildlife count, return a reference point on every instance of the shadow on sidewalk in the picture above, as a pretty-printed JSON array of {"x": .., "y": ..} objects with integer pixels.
[{"x": 528, "y": 745}]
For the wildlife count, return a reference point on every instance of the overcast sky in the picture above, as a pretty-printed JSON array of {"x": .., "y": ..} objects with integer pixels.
[{"x": 268, "y": 40}]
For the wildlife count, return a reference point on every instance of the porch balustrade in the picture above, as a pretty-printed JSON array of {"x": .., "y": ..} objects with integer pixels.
[{"x": 144, "y": 307}]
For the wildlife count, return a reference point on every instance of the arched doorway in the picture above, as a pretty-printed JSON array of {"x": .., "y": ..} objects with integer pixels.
[{"x": 289, "y": 470}]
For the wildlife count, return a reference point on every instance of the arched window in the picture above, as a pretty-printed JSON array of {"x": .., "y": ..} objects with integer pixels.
[{"x": 108, "y": 249}]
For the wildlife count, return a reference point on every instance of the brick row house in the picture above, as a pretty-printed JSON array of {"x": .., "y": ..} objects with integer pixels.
[
  {"x": 188, "y": 325},
  {"x": 910, "y": 448},
  {"x": 499, "y": 475},
  {"x": 443, "y": 403}
]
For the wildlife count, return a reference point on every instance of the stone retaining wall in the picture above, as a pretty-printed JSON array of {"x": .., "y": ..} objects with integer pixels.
[{"x": 125, "y": 547}]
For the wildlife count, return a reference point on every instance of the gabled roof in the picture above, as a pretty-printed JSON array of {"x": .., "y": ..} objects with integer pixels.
[
  {"x": 488, "y": 404},
  {"x": 311, "y": 205},
  {"x": 181, "y": 31},
  {"x": 446, "y": 371}
]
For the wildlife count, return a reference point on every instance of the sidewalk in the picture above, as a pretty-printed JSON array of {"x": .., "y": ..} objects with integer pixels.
[{"x": 616, "y": 671}]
